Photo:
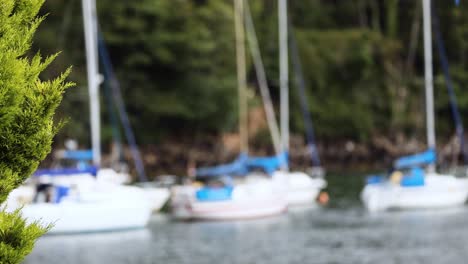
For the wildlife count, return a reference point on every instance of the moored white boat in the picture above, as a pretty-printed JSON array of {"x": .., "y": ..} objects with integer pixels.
[
  {"x": 438, "y": 191},
  {"x": 220, "y": 197},
  {"x": 411, "y": 186},
  {"x": 157, "y": 196},
  {"x": 256, "y": 197},
  {"x": 97, "y": 208}
]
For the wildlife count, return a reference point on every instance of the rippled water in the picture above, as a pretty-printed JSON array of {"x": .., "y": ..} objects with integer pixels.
[{"x": 341, "y": 233}]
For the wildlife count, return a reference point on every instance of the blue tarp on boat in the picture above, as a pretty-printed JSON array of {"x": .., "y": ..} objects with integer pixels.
[
  {"x": 78, "y": 154},
  {"x": 424, "y": 158},
  {"x": 267, "y": 164},
  {"x": 236, "y": 168},
  {"x": 211, "y": 194},
  {"x": 243, "y": 165}
]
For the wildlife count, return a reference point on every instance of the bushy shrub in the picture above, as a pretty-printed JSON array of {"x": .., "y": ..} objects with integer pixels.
[{"x": 27, "y": 127}]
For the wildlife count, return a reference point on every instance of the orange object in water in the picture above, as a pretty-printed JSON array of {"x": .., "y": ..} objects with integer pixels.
[{"x": 323, "y": 198}]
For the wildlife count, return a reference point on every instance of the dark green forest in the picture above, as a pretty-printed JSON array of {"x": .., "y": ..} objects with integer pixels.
[{"x": 175, "y": 60}]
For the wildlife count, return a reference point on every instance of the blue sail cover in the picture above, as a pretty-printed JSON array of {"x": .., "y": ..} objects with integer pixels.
[
  {"x": 66, "y": 171},
  {"x": 267, "y": 164},
  {"x": 243, "y": 165},
  {"x": 78, "y": 154},
  {"x": 236, "y": 168},
  {"x": 424, "y": 158}
]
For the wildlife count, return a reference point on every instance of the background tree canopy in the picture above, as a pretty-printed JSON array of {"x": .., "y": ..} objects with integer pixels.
[{"x": 176, "y": 63}]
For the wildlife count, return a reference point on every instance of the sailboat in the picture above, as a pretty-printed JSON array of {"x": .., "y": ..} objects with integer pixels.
[
  {"x": 413, "y": 182},
  {"x": 158, "y": 195},
  {"x": 302, "y": 189},
  {"x": 222, "y": 195},
  {"x": 75, "y": 200}
]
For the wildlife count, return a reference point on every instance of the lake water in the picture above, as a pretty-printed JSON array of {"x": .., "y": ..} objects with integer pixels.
[{"x": 343, "y": 232}]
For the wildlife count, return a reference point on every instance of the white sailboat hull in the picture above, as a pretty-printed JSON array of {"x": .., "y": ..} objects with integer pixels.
[
  {"x": 302, "y": 197},
  {"x": 439, "y": 191},
  {"x": 79, "y": 218},
  {"x": 249, "y": 200},
  {"x": 106, "y": 208},
  {"x": 157, "y": 197},
  {"x": 232, "y": 210},
  {"x": 301, "y": 189}
]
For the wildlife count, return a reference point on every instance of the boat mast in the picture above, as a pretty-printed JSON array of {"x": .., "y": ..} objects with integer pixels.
[
  {"x": 262, "y": 81},
  {"x": 90, "y": 32},
  {"x": 284, "y": 76},
  {"x": 431, "y": 142},
  {"x": 241, "y": 75}
]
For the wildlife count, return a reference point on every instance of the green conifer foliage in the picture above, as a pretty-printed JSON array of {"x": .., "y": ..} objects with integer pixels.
[{"x": 27, "y": 107}]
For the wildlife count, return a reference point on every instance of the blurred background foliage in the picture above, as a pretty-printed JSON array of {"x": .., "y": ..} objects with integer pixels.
[{"x": 175, "y": 59}]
